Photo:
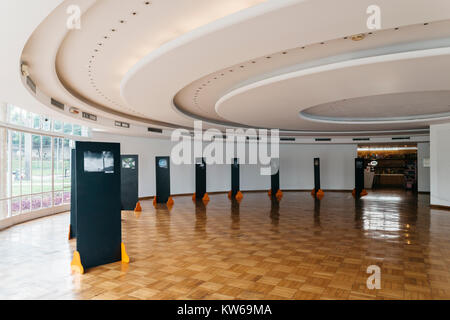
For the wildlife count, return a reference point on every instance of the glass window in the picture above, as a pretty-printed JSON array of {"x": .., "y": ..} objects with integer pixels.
[
  {"x": 36, "y": 121},
  {"x": 46, "y": 200},
  {"x": 58, "y": 164},
  {"x": 35, "y": 170},
  {"x": 25, "y": 152},
  {"x": 36, "y": 164},
  {"x": 47, "y": 174},
  {"x": 77, "y": 130},
  {"x": 46, "y": 123},
  {"x": 57, "y": 126},
  {"x": 15, "y": 206},
  {"x": 67, "y": 128},
  {"x": 15, "y": 163}
]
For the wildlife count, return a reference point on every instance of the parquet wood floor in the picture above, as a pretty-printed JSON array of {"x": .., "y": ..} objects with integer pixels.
[{"x": 299, "y": 249}]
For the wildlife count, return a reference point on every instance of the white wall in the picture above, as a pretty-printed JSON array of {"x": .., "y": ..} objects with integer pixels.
[
  {"x": 440, "y": 164},
  {"x": 296, "y": 167},
  {"x": 423, "y": 173}
]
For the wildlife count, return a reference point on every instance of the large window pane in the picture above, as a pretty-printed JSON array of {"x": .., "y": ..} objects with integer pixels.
[
  {"x": 66, "y": 155},
  {"x": 26, "y": 204},
  {"x": 15, "y": 163},
  {"x": 26, "y": 163},
  {"x": 36, "y": 168},
  {"x": 58, "y": 199},
  {"x": 46, "y": 164},
  {"x": 58, "y": 164},
  {"x": 36, "y": 202},
  {"x": 47, "y": 200},
  {"x": 15, "y": 206}
]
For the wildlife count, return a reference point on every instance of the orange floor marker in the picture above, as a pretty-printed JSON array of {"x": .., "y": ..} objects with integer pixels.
[
  {"x": 364, "y": 193},
  {"x": 170, "y": 202},
  {"x": 76, "y": 265},
  {"x": 138, "y": 207},
  {"x": 320, "y": 194},
  {"x": 154, "y": 201},
  {"x": 354, "y": 193},
  {"x": 279, "y": 195},
  {"x": 70, "y": 232},
  {"x": 270, "y": 193},
  {"x": 229, "y": 195},
  {"x": 125, "y": 257},
  {"x": 194, "y": 197},
  {"x": 239, "y": 196},
  {"x": 205, "y": 198},
  {"x": 313, "y": 192}
]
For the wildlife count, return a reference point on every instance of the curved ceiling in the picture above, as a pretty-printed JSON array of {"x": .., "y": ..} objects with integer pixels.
[{"x": 274, "y": 64}]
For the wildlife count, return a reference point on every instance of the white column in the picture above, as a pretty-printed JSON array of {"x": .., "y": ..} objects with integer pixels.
[{"x": 440, "y": 164}]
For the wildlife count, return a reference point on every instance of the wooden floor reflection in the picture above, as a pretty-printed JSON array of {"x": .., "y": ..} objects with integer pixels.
[{"x": 258, "y": 249}]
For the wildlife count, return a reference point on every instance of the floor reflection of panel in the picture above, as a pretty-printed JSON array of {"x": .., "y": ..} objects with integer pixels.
[{"x": 297, "y": 249}]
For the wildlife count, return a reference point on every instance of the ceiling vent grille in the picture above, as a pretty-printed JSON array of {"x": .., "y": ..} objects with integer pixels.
[
  {"x": 156, "y": 130},
  {"x": 122, "y": 124},
  {"x": 57, "y": 104},
  {"x": 323, "y": 139},
  {"x": 287, "y": 139},
  {"x": 361, "y": 139},
  {"x": 89, "y": 116},
  {"x": 253, "y": 138},
  {"x": 31, "y": 84},
  {"x": 401, "y": 138}
]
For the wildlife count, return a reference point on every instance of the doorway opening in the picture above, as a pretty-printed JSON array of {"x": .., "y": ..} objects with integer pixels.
[{"x": 389, "y": 166}]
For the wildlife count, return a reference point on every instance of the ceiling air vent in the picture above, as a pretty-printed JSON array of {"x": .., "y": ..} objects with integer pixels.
[
  {"x": 287, "y": 139},
  {"x": 401, "y": 138},
  {"x": 253, "y": 138},
  {"x": 361, "y": 139},
  {"x": 154, "y": 130},
  {"x": 57, "y": 104},
  {"x": 31, "y": 84},
  {"x": 122, "y": 124},
  {"x": 323, "y": 139},
  {"x": 89, "y": 116}
]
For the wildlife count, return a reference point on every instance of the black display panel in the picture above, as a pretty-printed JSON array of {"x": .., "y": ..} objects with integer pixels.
[
  {"x": 359, "y": 176},
  {"x": 73, "y": 196},
  {"x": 316, "y": 174},
  {"x": 235, "y": 177},
  {"x": 162, "y": 179},
  {"x": 129, "y": 166},
  {"x": 99, "y": 230},
  {"x": 200, "y": 178},
  {"x": 275, "y": 183}
]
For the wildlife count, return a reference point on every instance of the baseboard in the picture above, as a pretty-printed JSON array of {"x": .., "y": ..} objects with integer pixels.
[
  {"x": 246, "y": 191},
  {"x": 439, "y": 207}
]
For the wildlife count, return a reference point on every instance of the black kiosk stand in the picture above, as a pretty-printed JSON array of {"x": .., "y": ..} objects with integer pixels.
[
  {"x": 317, "y": 192},
  {"x": 235, "y": 192},
  {"x": 200, "y": 181},
  {"x": 359, "y": 190},
  {"x": 163, "y": 181},
  {"x": 98, "y": 206}
]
